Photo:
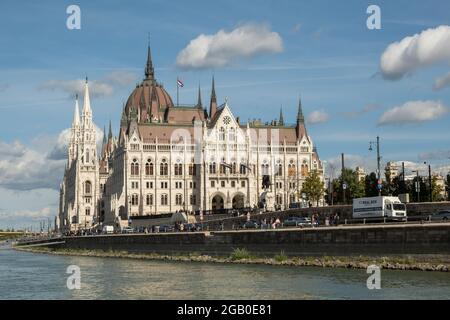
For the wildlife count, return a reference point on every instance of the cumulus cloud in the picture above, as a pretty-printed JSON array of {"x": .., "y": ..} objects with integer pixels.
[
  {"x": 429, "y": 47},
  {"x": 442, "y": 82},
  {"x": 318, "y": 116},
  {"x": 220, "y": 49},
  {"x": 28, "y": 168},
  {"x": 97, "y": 88},
  {"x": 59, "y": 150},
  {"x": 413, "y": 112}
]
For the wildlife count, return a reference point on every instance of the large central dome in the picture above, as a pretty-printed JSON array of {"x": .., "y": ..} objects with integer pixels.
[{"x": 149, "y": 100}]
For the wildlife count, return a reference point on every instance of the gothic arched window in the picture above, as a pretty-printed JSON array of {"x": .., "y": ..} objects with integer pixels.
[
  {"x": 134, "y": 168},
  {"x": 149, "y": 168},
  {"x": 87, "y": 187},
  {"x": 164, "y": 168},
  {"x": 222, "y": 134}
]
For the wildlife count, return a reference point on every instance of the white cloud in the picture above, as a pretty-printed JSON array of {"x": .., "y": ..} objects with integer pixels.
[
  {"x": 413, "y": 112},
  {"x": 435, "y": 155},
  {"x": 21, "y": 209},
  {"x": 220, "y": 49},
  {"x": 28, "y": 168},
  {"x": 59, "y": 150},
  {"x": 442, "y": 82},
  {"x": 318, "y": 116},
  {"x": 97, "y": 88},
  {"x": 429, "y": 47}
]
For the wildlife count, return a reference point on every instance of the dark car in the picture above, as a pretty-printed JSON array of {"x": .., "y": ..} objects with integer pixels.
[
  {"x": 441, "y": 215},
  {"x": 166, "y": 228},
  {"x": 297, "y": 222},
  {"x": 251, "y": 224},
  {"x": 193, "y": 227}
]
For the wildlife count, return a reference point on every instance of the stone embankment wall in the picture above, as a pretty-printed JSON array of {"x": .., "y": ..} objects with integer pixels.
[{"x": 403, "y": 239}]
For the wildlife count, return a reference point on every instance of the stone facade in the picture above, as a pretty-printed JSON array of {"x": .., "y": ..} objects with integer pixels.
[{"x": 176, "y": 157}]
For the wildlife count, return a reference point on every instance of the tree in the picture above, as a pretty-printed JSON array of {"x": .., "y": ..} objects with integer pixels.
[
  {"x": 355, "y": 188},
  {"x": 371, "y": 185},
  {"x": 313, "y": 187},
  {"x": 436, "y": 189},
  {"x": 447, "y": 183}
]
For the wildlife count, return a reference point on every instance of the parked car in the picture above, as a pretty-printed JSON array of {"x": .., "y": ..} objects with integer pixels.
[
  {"x": 441, "y": 215},
  {"x": 297, "y": 222},
  {"x": 166, "y": 228},
  {"x": 251, "y": 224},
  {"x": 127, "y": 230},
  {"x": 193, "y": 227}
]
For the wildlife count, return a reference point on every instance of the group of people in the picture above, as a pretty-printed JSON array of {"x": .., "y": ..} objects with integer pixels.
[{"x": 332, "y": 220}]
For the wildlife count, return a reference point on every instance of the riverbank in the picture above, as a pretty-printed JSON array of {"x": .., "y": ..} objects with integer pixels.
[{"x": 242, "y": 256}]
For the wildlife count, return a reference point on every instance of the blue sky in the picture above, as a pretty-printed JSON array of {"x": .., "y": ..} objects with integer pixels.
[{"x": 328, "y": 56}]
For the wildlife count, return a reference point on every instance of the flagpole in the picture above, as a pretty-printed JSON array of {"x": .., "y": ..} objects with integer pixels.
[{"x": 177, "y": 92}]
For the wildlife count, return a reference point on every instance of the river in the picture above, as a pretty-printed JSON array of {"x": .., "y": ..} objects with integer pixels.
[{"x": 26, "y": 275}]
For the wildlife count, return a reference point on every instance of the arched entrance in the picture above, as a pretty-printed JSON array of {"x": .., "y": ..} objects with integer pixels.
[
  {"x": 217, "y": 203},
  {"x": 122, "y": 213},
  {"x": 238, "y": 201}
]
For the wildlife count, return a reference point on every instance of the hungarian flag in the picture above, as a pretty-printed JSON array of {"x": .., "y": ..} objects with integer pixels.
[{"x": 180, "y": 83}]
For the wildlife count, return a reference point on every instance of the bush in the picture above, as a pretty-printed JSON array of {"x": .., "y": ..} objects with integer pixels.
[
  {"x": 239, "y": 254},
  {"x": 280, "y": 257}
]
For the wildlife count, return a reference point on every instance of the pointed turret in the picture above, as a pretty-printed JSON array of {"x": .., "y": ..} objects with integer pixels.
[
  {"x": 87, "y": 101},
  {"x": 110, "y": 131},
  {"x": 199, "y": 100},
  {"x": 104, "y": 135},
  {"x": 149, "y": 71},
  {"x": 281, "y": 119},
  {"x": 300, "y": 117},
  {"x": 300, "y": 128},
  {"x": 213, "y": 103},
  {"x": 76, "y": 114}
]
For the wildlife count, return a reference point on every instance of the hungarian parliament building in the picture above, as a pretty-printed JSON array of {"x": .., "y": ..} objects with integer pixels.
[{"x": 169, "y": 158}]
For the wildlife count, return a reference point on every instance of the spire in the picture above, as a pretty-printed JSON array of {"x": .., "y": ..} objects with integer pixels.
[
  {"x": 281, "y": 120},
  {"x": 300, "y": 117},
  {"x": 300, "y": 128},
  {"x": 213, "y": 91},
  {"x": 104, "y": 135},
  {"x": 213, "y": 103},
  {"x": 149, "y": 71},
  {"x": 76, "y": 114},
  {"x": 199, "y": 101},
  {"x": 87, "y": 101},
  {"x": 110, "y": 131}
]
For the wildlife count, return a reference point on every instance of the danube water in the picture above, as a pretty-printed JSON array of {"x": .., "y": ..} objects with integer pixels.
[{"x": 40, "y": 276}]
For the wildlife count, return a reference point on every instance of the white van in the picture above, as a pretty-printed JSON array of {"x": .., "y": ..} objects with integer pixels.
[
  {"x": 378, "y": 207},
  {"x": 108, "y": 229}
]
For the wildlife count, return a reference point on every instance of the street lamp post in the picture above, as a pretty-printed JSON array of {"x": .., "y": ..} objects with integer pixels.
[
  {"x": 417, "y": 185},
  {"x": 430, "y": 181},
  {"x": 378, "y": 161}
]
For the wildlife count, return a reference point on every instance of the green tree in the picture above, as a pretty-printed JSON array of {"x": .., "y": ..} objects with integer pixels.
[
  {"x": 313, "y": 187},
  {"x": 447, "y": 184},
  {"x": 436, "y": 189},
  {"x": 355, "y": 188},
  {"x": 371, "y": 185}
]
